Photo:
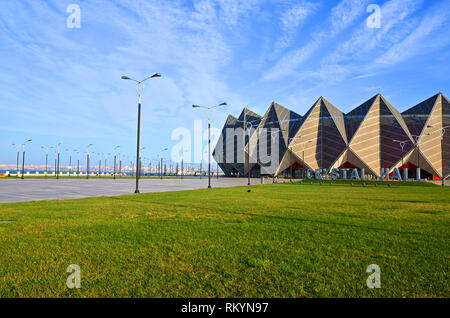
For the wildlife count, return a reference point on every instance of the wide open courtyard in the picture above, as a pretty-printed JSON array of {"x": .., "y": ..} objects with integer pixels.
[{"x": 40, "y": 188}]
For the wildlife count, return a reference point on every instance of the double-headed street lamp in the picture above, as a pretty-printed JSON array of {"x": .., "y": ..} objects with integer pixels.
[
  {"x": 115, "y": 158},
  {"x": 69, "y": 167},
  {"x": 303, "y": 152},
  {"x": 182, "y": 163},
  {"x": 139, "y": 90},
  {"x": 46, "y": 149},
  {"x": 87, "y": 160},
  {"x": 100, "y": 163},
  {"x": 17, "y": 161},
  {"x": 78, "y": 161},
  {"x": 402, "y": 144},
  {"x": 247, "y": 124},
  {"x": 161, "y": 164},
  {"x": 23, "y": 158},
  {"x": 209, "y": 136},
  {"x": 140, "y": 161},
  {"x": 106, "y": 160},
  {"x": 416, "y": 139},
  {"x": 57, "y": 166}
]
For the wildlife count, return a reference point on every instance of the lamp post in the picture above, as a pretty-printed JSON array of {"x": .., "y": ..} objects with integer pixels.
[
  {"x": 209, "y": 137},
  {"x": 140, "y": 161},
  {"x": 161, "y": 164},
  {"x": 139, "y": 90},
  {"x": 99, "y": 163},
  {"x": 78, "y": 161},
  {"x": 182, "y": 163},
  {"x": 23, "y": 157},
  {"x": 120, "y": 164},
  {"x": 303, "y": 151},
  {"x": 69, "y": 167},
  {"x": 46, "y": 149},
  {"x": 17, "y": 161},
  {"x": 106, "y": 159},
  {"x": 87, "y": 160},
  {"x": 57, "y": 166},
  {"x": 115, "y": 158},
  {"x": 56, "y": 154},
  {"x": 416, "y": 139},
  {"x": 247, "y": 124},
  {"x": 402, "y": 144}
]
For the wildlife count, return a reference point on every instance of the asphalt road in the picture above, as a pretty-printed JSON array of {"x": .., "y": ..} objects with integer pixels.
[{"x": 16, "y": 190}]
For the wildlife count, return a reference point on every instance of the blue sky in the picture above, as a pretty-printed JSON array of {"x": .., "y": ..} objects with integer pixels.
[{"x": 62, "y": 84}]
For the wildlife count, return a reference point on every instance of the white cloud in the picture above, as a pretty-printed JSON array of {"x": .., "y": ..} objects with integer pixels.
[
  {"x": 363, "y": 41},
  {"x": 296, "y": 15},
  {"x": 419, "y": 40},
  {"x": 342, "y": 16}
]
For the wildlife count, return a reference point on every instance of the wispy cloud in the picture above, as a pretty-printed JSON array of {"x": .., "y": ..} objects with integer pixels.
[
  {"x": 60, "y": 83},
  {"x": 419, "y": 41},
  {"x": 342, "y": 16},
  {"x": 291, "y": 21}
]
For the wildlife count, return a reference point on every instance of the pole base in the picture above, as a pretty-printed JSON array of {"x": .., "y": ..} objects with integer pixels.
[
  {"x": 209, "y": 187},
  {"x": 137, "y": 191}
]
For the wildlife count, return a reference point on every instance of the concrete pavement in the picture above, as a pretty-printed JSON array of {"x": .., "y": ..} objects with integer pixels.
[{"x": 16, "y": 190}]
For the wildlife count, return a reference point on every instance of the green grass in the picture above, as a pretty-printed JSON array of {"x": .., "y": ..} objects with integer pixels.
[{"x": 279, "y": 240}]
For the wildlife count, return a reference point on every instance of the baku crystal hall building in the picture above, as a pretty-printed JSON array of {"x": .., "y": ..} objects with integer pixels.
[{"x": 371, "y": 137}]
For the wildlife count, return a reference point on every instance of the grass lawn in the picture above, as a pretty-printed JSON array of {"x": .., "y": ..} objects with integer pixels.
[{"x": 279, "y": 240}]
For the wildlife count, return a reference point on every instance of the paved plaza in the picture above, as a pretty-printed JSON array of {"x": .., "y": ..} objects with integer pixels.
[{"x": 16, "y": 190}]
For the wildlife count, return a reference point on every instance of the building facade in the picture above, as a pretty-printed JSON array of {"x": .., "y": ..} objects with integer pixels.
[{"x": 374, "y": 137}]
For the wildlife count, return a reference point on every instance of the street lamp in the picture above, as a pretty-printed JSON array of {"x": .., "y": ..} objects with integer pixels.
[
  {"x": 161, "y": 165},
  {"x": 182, "y": 162},
  {"x": 23, "y": 158},
  {"x": 115, "y": 157},
  {"x": 78, "y": 161},
  {"x": 247, "y": 124},
  {"x": 303, "y": 151},
  {"x": 209, "y": 137},
  {"x": 100, "y": 155},
  {"x": 402, "y": 144},
  {"x": 17, "y": 161},
  {"x": 416, "y": 139},
  {"x": 46, "y": 149},
  {"x": 139, "y": 90},
  {"x": 106, "y": 158},
  {"x": 57, "y": 166},
  {"x": 70, "y": 161},
  {"x": 139, "y": 166},
  {"x": 87, "y": 160}
]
